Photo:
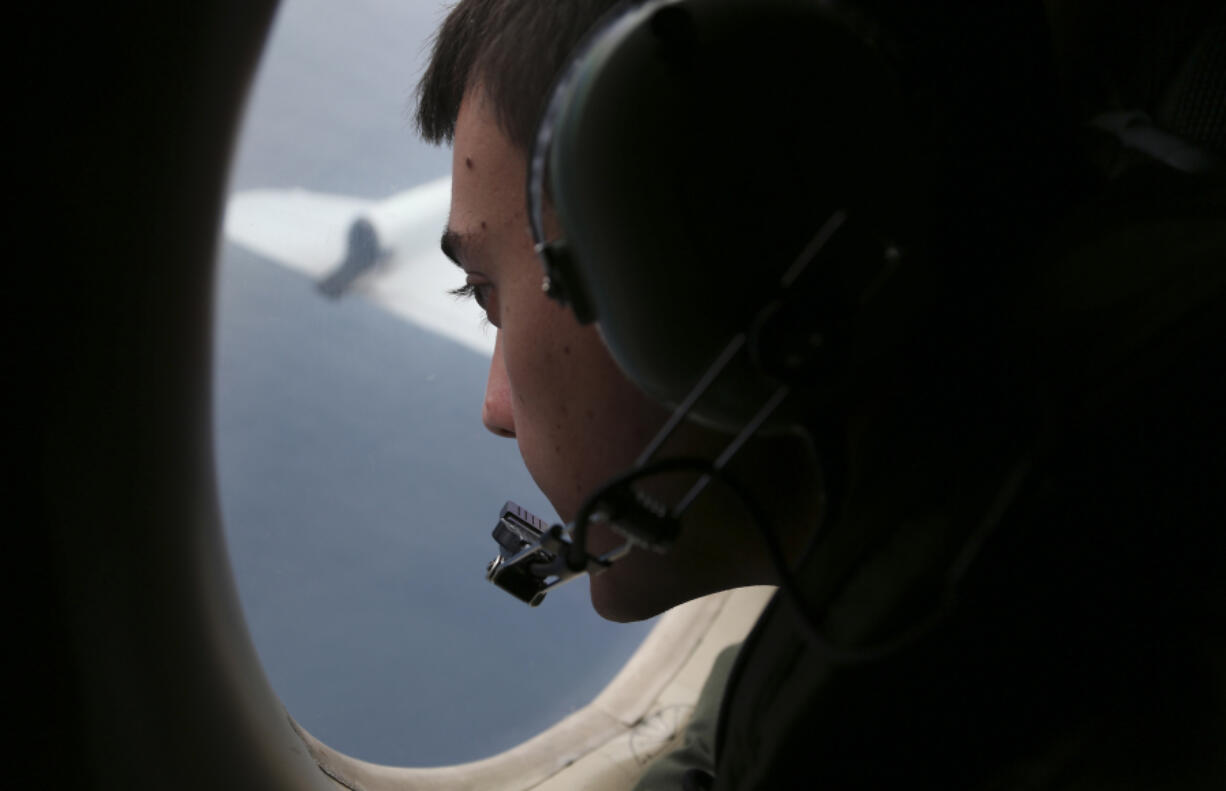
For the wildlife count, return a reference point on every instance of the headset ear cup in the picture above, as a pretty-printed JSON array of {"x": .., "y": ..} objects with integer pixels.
[{"x": 694, "y": 148}]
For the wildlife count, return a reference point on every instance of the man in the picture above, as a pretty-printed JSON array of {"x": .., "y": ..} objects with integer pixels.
[
  {"x": 973, "y": 614},
  {"x": 553, "y": 386}
]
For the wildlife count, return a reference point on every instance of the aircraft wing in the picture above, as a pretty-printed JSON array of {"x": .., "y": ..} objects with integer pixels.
[{"x": 386, "y": 250}]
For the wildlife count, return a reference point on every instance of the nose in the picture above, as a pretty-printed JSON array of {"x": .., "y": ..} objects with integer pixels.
[{"x": 496, "y": 409}]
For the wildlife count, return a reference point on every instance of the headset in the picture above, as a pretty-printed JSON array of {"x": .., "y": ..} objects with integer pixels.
[{"x": 748, "y": 199}]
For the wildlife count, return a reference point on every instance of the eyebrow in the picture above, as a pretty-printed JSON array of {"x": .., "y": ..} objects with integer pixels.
[{"x": 453, "y": 244}]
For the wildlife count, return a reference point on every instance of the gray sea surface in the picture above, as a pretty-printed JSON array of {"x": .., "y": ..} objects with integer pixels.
[{"x": 358, "y": 486}]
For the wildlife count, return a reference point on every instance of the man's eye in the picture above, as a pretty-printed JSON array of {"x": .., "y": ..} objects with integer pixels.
[
  {"x": 482, "y": 294},
  {"x": 479, "y": 293}
]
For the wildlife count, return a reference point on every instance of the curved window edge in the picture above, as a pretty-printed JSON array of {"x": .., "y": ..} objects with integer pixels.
[{"x": 640, "y": 715}]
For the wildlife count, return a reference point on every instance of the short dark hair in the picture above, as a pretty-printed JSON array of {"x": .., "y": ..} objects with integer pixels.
[{"x": 514, "y": 49}]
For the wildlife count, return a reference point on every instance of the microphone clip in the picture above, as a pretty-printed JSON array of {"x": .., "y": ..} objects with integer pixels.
[{"x": 532, "y": 557}]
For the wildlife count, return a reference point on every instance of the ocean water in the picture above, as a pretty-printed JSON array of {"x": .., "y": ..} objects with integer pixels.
[{"x": 358, "y": 486}]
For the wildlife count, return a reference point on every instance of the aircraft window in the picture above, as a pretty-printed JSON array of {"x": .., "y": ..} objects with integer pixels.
[{"x": 358, "y": 486}]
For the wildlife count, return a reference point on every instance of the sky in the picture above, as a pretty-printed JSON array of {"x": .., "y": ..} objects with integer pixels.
[{"x": 358, "y": 486}]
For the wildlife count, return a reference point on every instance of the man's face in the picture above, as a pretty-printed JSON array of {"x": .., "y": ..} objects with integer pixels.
[
  {"x": 578, "y": 420},
  {"x": 552, "y": 384}
]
